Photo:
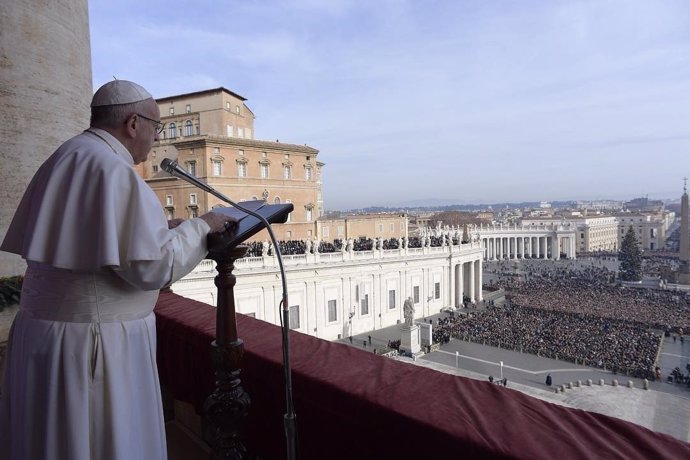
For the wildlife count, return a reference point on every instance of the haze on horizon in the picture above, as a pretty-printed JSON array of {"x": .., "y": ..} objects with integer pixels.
[{"x": 480, "y": 101}]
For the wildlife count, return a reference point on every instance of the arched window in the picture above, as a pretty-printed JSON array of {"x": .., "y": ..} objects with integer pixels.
[
  {"x": 276, "y": 200},
  {"x": 172, "y": 130},
  {"x": 188, "y": 128}
]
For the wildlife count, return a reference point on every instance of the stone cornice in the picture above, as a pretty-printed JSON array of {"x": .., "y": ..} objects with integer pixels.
[{"x": 207, "y": 139}]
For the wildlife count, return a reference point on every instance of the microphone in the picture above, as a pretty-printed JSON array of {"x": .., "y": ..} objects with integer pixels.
[
  {"x": 173, "y": 168},
  {"x": 289, "y": 422}
]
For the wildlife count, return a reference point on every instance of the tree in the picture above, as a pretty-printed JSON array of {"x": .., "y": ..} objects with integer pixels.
[{"x": 630, "y": 257}]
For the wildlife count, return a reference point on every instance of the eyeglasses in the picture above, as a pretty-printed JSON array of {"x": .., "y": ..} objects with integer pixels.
[{"x": 159, "y": 126}]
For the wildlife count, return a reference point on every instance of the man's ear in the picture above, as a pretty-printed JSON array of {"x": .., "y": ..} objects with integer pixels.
[{"x": 131, "y": 125}]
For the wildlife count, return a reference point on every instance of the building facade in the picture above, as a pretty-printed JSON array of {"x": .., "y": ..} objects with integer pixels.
[
  {"x": 356, "y": 226},
  {"x": 605, "y": 232},
  {"x": 211, "y": 135},
  {"x": 650, "y": 228},
  {"x": 335, "y": 295}
]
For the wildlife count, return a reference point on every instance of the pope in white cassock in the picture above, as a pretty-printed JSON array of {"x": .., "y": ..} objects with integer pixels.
[{"x": 81, "y": 380}]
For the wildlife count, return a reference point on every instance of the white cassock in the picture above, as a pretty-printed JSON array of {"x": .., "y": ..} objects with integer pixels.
[{"x": 81, "y": 380}]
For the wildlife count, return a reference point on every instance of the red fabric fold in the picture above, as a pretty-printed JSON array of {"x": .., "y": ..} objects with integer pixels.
[{"x": 351, "y": 403}]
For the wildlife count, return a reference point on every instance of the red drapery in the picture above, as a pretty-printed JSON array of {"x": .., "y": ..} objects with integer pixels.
[{"x": 354, "y": 404}]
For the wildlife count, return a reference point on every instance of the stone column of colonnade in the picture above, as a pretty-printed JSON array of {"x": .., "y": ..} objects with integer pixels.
[
  {"x": 477, "y": 265},
  {"x": 459, "y": 285},
  {"x": 45, "y": 91},
  {"x": 471, "y": 281},
  {"x": 573, "y": 248}
]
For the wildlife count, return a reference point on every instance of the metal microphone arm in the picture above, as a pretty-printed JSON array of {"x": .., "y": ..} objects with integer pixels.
[{"x": 172, "y": 168}]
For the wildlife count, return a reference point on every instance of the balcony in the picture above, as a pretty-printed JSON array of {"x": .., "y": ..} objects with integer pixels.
[{"x": 354, "y": 404}]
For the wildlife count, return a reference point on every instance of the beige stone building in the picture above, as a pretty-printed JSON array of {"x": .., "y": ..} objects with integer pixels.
[
  {"x": 211, "y": 135},
  {"x": 650, "y": 228},
  {"x": 605, "y": 232},
  {"x": 383, "y": 226},
  {"x": 593, "y": 233}
]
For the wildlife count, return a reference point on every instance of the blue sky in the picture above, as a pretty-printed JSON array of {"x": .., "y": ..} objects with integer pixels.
[{"x": 434, "y": 101}]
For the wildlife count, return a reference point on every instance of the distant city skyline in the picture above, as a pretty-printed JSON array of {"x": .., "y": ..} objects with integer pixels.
[{"x": 458, "y": 101}]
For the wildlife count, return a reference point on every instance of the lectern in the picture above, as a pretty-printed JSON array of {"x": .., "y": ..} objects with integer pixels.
[{"x": 228, "y": 405}]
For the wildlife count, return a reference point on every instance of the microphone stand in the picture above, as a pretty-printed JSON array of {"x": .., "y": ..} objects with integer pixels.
[{"x": 172, "y": 168}]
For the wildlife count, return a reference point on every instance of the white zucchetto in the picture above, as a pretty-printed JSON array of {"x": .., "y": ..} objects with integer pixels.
[{"x": 118, "y": 92}]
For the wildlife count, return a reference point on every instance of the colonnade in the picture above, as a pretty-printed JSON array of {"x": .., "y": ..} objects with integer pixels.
[
  {"x": 466, "y": 281},
  {"x": 549, "y": 246}
]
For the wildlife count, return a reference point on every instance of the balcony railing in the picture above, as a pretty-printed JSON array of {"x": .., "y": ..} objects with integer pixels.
[{"x": 355, "y": 404}]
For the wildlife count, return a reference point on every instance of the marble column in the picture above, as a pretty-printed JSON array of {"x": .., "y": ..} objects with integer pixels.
[
  {"x": 459, "y": 285},
  {"x": 478, "y": 280},
  {"x": 556, "y": 244},
  {"x": 471, "y": 283},
  {"x": 573, "y": 248},
  {"x": 46, "y": 90}
]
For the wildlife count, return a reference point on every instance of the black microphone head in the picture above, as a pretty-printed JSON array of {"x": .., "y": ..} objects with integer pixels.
[{"x": 168, "y": 165}]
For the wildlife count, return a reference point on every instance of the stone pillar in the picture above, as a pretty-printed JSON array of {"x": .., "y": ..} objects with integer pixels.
[
  {"x": 471, "y": 283},
  {"x": 537, "y": 254},
  {"x": 517, "y": 247},
  {"x": 546, "y": 247},
  {"x": 45, "y": 92},
  {"x": 556, "y": 245},
  {"x": 459, "y": 285},
  {"x": 573, "y": 247},
  {"x": 478, "y": 279}
]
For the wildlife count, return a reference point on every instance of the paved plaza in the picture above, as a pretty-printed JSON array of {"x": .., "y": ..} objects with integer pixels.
[{"x": 665, "y": 407}]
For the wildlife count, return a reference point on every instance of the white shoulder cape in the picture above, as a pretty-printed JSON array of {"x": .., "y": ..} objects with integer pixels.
[{"x": 87, "y": 208}]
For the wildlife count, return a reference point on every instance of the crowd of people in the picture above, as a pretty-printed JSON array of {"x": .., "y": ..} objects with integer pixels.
[
  {"x": 574, "y": 310},
  {"x": 298, "y": 247},
  {"x": 591, "y": 293},
  {"x": 615, "y": 344}
]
